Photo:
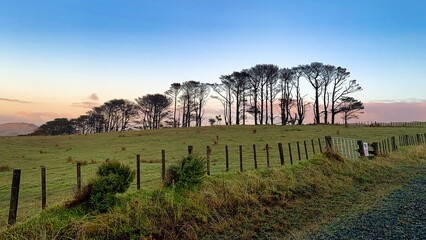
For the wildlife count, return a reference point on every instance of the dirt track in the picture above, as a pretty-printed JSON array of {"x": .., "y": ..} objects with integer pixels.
[{"x": 400, "y": 215}]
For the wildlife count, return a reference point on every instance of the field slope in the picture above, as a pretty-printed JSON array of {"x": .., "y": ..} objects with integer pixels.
[{"x": 59, "y": 153}]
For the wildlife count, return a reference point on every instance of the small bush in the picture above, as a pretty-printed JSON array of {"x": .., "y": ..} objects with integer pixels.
[
  {"x": 122, "y": 174},
  {"x": 112, "y": 178},
  {"x": 189, "y": 174}
]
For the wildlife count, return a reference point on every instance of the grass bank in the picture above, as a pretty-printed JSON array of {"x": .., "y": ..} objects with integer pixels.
[{"x": 285, "y": 202}]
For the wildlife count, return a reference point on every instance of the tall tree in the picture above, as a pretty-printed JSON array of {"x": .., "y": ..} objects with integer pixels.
[
  {"x": 113, "y": 115},
  {"x": 260, "y": 76},
  {"x": 96, "y": 120},
  {"x": 300, "y": 102},
  {"x": 81, "y": 124},
  {"x": 173, "y": 92},
  {"x": 129, "y": 110},
  {"x": 350, "y": 108},
  {"x": 58, "y": 126},
  {"x": 328, "y": 75},
  {"x": 154, "y": 107},
  {"x": 342, "y": 87},
  {"x": 286, "y": 77},
  {"x": 201, "y": 94},
  {"x": 238, "y": 88},
  {"x": 312, "y": 73},
  {"x": 189, "y": 103},
  {"x": 272, "y": 79},
  {"x": 224, "y": 92}
]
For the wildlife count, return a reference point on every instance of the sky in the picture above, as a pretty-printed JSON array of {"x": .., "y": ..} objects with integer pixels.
[{"x": 60, "y": 58}]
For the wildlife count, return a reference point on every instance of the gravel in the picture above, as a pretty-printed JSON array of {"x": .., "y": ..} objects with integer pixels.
[{"x": 400, "y": 215}]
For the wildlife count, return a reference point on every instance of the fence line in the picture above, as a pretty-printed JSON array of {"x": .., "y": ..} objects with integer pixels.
[
  {"x": 388, "y": 124},
  {"x": 348, "y": 147}
]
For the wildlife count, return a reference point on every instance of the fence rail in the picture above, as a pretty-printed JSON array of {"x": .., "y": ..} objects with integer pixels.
[{"x": 388, "y": 124}]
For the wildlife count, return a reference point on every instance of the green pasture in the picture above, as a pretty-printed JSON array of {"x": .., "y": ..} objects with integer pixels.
[{"x": 59, "y": 153}]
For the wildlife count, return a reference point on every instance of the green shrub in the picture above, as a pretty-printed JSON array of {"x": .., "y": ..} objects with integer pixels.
[
  {"x": 112, "y": 178},
  {"x": 189, "y": 174}
]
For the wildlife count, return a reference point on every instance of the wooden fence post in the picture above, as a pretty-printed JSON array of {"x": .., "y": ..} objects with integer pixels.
[
  {"x": 78, "y": 176},
  {"x": 227, "y": 158},
  {"x": 290, "y": 153},
  {"x": 163, "y": 164},
  {"x": 267, "y": 155},
  {"x": 241, "y": 158},
  {"x": 360, "y": 148},
  {"x": 298, "y": 150},
  {"x": 209, "y": 151},
  {"x": 280, "y": 149},
  {"x": 254, "y": 156},
  {"x": 138, "y": 172},
  {"x": 385, "y": 146},
  {"x": 394, "y": 147},
  {"x": 313, "y": 146},
  {"x": 306, "y": 150},
  {"x": 375, "y": 146},
  {"x": 43, "y": 187},
  {"x": 319, "y": 144},
  {"x": 14, "y": 196},
  {"x": 328, "y": 142},
  {"x": 190, "y": 148},
  {"x": 389, "y": 146}
]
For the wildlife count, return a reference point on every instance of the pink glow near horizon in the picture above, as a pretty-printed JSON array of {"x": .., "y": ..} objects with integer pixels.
[
  {"x": 393, "y": 112},
  {"x": 374, "y": 111}
]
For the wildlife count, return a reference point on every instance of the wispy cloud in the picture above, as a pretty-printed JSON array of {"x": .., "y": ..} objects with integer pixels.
[
  {"x": 93, "y": 97},
  {"x": 37, "y": 118},
  {"x": 85, "y": 104},
  {"x": 14, "y": 100},
  {"x": 406, "y": 100}
]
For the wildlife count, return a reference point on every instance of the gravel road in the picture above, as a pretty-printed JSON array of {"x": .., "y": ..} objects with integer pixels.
[{"x": 400, "y": 215}]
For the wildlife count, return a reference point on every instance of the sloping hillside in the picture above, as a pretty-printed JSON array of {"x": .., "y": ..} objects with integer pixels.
[{"x": 15, "y": 129}]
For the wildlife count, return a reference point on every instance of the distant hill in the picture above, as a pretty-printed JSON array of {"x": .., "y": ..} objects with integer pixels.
[{"x": 15, "y": 129}]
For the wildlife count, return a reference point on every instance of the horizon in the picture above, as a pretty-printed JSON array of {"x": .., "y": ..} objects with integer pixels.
[{"x": 61, "y": 59}]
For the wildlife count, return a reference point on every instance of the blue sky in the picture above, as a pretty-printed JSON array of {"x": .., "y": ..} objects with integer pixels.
[{"x": 55, "y": 54}]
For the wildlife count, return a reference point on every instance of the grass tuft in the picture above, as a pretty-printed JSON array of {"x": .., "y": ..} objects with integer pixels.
[{"x": 4, "y": 168}]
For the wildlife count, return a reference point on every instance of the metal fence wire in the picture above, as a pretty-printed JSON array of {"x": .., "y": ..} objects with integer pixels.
[{"x": 346, "y": 147}]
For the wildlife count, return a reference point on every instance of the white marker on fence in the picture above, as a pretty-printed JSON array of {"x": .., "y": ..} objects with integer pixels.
[{"x": 365, "y": 149}]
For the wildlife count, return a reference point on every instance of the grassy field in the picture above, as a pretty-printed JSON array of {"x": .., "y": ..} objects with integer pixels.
[
  {"x": 280, "y": 203},
  {"x": 59, "y": 153}
]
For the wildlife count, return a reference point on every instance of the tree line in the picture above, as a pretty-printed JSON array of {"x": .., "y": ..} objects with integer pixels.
[{"x": 262, "y": 94}]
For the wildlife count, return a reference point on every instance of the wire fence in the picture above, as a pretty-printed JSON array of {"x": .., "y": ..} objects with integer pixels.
[{"x": 241, "y": 158}]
